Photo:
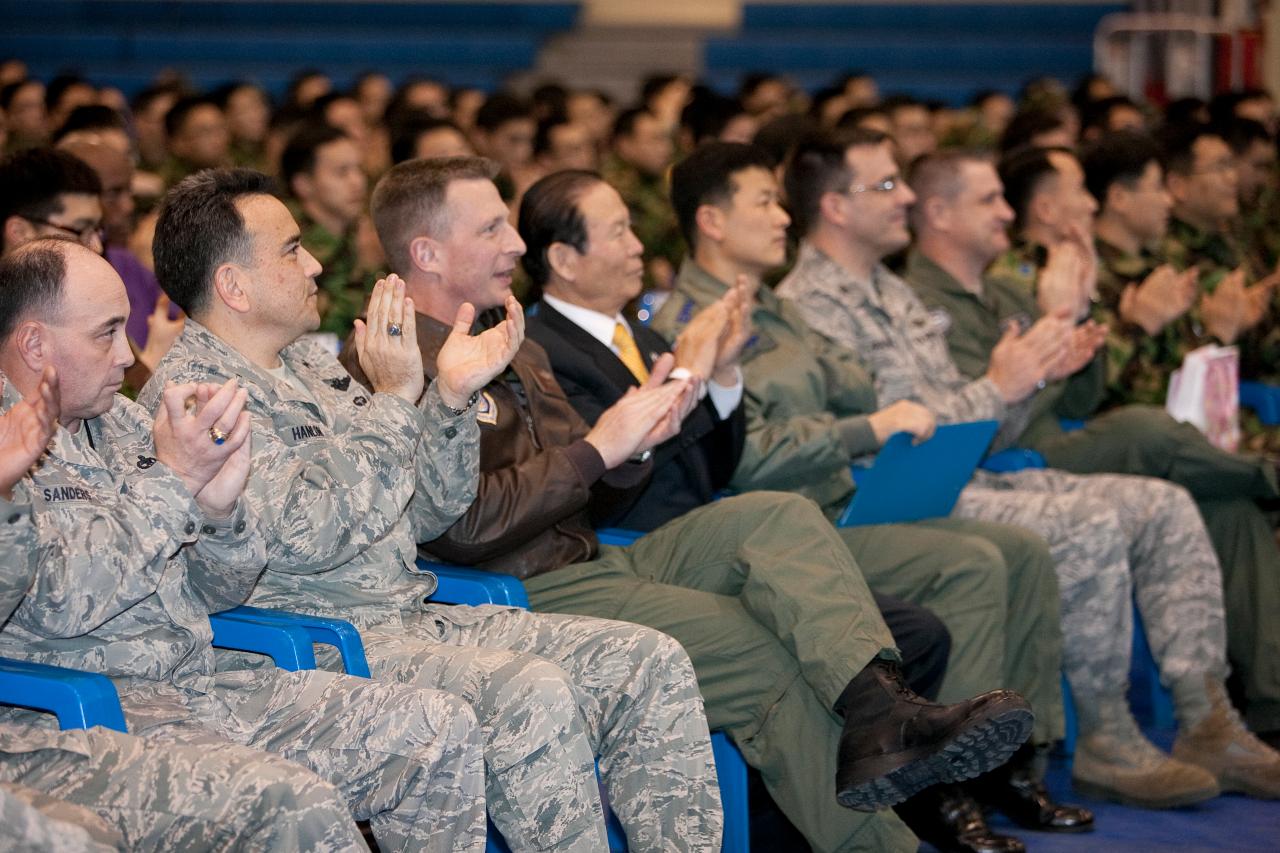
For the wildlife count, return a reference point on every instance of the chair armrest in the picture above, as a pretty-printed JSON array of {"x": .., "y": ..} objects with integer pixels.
[
  {"x": 462, "y": 585},
  {"x": 1263, "y": 399},
  {"x": 80, "y": 700},
  {"x": 617, "y": 536},
  {"x": 289, "y": 648},
  {"x": 338, "y": 633},
  {"x": 1013, "y": 459},
  {"x": 1070, "y": 424}
]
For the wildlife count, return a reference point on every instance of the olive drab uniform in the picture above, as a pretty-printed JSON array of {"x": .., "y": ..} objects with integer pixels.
[
  {"x": 1141, "y": 440},
  {"x": 992, "y": 585},
  {"x": 129, "y": 571},
  {"x": 344, "y": 285},
  {"x": 1110, "y": 535},
  {"x": 350, "y": 481}
]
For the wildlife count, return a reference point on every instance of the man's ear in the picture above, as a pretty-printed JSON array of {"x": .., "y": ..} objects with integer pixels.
[
  {"x": 710, "y": 221},
  {"x": 1043, "y": 209},
  {"x": 563, "y": 261},
  {"x": 831, "y": 209},
  {"x": 424, "y": 254},
  {"x": 230, "y": 285},
  {"x": 1177, "y": 186},
  {"x": 301, "y": 186},
  {"x": 31, "y": 342},
  {"x": 936, "y": 213},
  {"x": 17, "y": 231}
]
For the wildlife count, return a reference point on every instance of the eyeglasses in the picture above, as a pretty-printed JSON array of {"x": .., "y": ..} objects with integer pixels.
[
  {"x": 84, "y": 236},
  {"x": 888, "y": 185}
]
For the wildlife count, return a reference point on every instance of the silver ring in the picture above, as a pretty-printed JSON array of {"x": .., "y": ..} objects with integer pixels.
[
  {"x": 217, "y": 435},
  {"x": 393, "y": 329}
]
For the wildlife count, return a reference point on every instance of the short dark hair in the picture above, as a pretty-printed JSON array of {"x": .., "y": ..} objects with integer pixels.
[
  {"x": 409, "y": 200},
  {"x": 1177, "y": 145},
  {"x": 412, "y": 126},
  {"x": 779, "y": 136},
  {"x": 1023, "y": 172},
  {"x": 184, "y": 107},
  {"x": 32, "y": 182},
  {"x": 299, "y": 155},
  {"x": 10, "y": 90},
  {"x": 706, "y": 177},
  {"x": 625, "y": 123},
  {"x": 500, "y": 108},
  {"x": 1223, "y": 106},
  {"x": 708, "y": 115},
  {"x": 818, "y": 166},
  {"x": 90, "y": 117},
  {"x": 893, "y": 103},
  {"x": 549, "y": 213},
  {"x": 1098, "y": 113},
  {"x": 32, "y": 277},
  {"x": 151, "y": 94},
  {"x": 1185, "y": 111},
  {"x": 655, "y": 83},
  {"x": 1241, "y": 133},
  {"x": 1119, "y": 157},
  {"x": 542, "y": 136},
  {"x": 59, "y": 86},
  {"x": 199, "y": 228},
  {"x": 1027, "y": 124}
]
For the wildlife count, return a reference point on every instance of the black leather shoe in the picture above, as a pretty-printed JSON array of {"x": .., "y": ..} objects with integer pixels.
[
  {"x": 1016, "y": 790},
  {"x": 895, "y": 744},
  {"x": 951, "y": 820}
]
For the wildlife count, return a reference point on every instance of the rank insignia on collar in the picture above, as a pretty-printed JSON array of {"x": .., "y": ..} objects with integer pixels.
[
  {"x": 145, "y": 462},
  {"x": 361, "y": 400},
  {"x": 940, "y": 320},
  {"x": 486, "y": 409},
  {"x": 342, "y": 383}
]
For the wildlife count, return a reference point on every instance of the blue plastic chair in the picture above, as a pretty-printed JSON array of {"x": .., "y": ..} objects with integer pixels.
[
  {"x": 80, "y": 700},
  {"x": 1264, "y": 399},
  {"x": 288, "y": 638},
  {"x": 462, "y": 585}
]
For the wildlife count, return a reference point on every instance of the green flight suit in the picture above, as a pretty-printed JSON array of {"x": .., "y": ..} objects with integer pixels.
[
  {"x": 1144, "y": 440},
  {"x": 993, "y": 585}
]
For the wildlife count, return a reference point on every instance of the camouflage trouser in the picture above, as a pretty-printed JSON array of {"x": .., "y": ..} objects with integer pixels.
[
  {"x": 409, "y": 761},
  {"x": 39, "y": 823},
  {"x": 1114, "y": 537},
  {"x": 171, "y": 796},
  {"x": 558, "y": 689}
]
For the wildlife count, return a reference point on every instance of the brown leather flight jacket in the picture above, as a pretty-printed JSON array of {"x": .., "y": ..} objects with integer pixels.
[{"x": 537, "y": 474}]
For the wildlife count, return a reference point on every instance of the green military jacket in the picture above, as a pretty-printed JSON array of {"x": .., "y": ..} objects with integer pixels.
[
  {"x": 975, "y": 323},
  {"x": 1138, "y": 364},
  {"x": 344, "y": 286},
  {"x": 806, "y": 399},
  {"x": 653, "y": 219},
  {"x": 1216, "y": 255}
]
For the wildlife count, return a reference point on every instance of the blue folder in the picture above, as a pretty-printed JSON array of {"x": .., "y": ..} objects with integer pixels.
[{"x": 910, "y": 482}]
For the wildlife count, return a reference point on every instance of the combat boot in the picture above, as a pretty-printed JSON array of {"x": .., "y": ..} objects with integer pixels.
[
  {"x": 1222, "y": 745},
  {"x": 1117, "y": 763},
  {"x": 895, "y": 743}
]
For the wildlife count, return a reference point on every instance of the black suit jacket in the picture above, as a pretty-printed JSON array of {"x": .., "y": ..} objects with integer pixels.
[{"x": 690, "y": 468}]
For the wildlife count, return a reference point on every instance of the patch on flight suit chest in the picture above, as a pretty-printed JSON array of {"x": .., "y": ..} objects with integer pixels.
[{"x": 486, "y": 409}]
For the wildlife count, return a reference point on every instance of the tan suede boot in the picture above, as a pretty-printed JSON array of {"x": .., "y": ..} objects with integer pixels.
[
  {"x": 1119, "y": 764},
  {"x": 1222, "y": 745}
]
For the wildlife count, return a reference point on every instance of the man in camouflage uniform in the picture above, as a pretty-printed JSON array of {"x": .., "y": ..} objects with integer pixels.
[
  {"x": 637, "y": 167},
  {"x": 1131, "y": 439},
  {"x": 320, "y": 169},
  {"x": 350, "y": 480},
  {"x": 780, "y": 656},
  {"x": 1112, "y": 537},
  {"x": 131, "y": 565}
]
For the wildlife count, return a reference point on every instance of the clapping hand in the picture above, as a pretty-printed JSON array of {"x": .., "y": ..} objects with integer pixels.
[
  {"x": 387, "y": 342},
  {"x": 25, "y": 431},
  {"x": 467, "y": 362},
  {"x": 201, "y": 433}
]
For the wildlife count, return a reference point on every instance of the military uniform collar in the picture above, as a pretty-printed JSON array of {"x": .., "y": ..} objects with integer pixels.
[
  {"x": 258, "y": 382},
  {"x": 696, "y": 282},
  {"x": 1121, "y": 261},
  {"x": 87, "y": 446},
  {"x": 922, "y": 271},
  {"x": 821, "y": 273}
]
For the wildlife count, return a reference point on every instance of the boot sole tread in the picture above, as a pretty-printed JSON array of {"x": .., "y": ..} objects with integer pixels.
[{"x": 982, "y": 745}]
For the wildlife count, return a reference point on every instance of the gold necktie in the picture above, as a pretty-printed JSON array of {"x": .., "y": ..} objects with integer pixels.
[{"x": 629, "y": 352}]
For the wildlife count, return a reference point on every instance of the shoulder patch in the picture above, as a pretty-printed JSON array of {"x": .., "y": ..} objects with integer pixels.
[{"x": 686, "y": 311}]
